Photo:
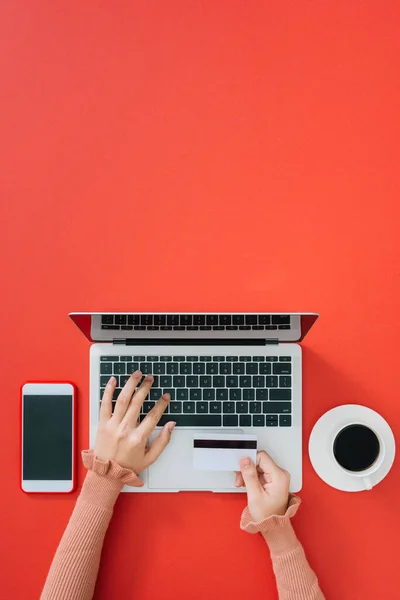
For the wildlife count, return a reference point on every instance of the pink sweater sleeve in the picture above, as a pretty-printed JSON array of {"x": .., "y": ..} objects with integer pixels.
[
  {"x": 294, "y": 577},
  {"x": 73, "y": 571}
]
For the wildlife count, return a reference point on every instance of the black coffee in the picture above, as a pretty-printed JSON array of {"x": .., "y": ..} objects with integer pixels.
[{"x": 356, "y": 448}]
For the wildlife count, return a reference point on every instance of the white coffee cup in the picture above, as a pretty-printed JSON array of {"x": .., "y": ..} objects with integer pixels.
[{"x": 366, "y": 473}]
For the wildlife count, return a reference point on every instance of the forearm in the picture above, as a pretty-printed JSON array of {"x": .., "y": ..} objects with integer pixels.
[
  {"x": 74, "y": 569},
  {"x": 294, "y": 577}
]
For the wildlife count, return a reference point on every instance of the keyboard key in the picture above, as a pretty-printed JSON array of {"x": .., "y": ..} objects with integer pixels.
[
  {"x": 123, "y": 380},
  {"x": 238, "y": 319},
  {"x": 277, "y": 407},
  {"x": 192, "y": 358},
  {"x": 235, "y": 394},
  {"x": 175, "y": 407},
  {"x": 139, "y": 327},
  {"x": 285, "y": 359},
  {"x": 147, "y": 406},
  {"x": 242, "y": 407},
  {"x": 251, "y": 368},
  {"x": 120, "y": 319},
  {"x": 109, "y": 358},
  {"x": 186, "y": 320},
  {"x": 104, "y": 379},
  {"x": 195, "y": 394},
  {"x": 232, "y": 328},
  {"x": 166, "y": 328},
  {"x": 271, "y": 381},
  {"x": 199, "y": 368},
  {"x": 106, "y": 368},
  {"x": 258, "y": 381},
  {"x": 182, "y": 394},
  {"x": 222, "y": 394},
  {"x": 251, "y": 319},
  {"x": 165, "y": 381},
  {"x": 218, "y": 381},
  {"x": 179, "y": 328},
  {"x": 232, "y": 358},
  {"x": 255, "y": 407},
  {"x": 107, "y": 319},
  {"x": 230, "y": 421},
  {"x": 282, "y": 369},
  {"x": 179, "y": 358},
  {"x": 185, "y": 368},
  {"x": 133, "y": 319},
  {"x": 245, "y": 420},
  {"x": 238, "y": 368},
  {"x": 244, "y": 327},
  {"x": 131, "y": 367},
  {"x": 225, "y": 368},
  {"x": 201, "y": 408},
  {"x": 228, "y": 407},
  {"x": 232, "y": 381},
  {"x": 179, "y": 381},
  {"x": 212, "y": 319},
  {"x": 127, "y": 327},
  {"x": 285, "y": 381},
  {"x": 262, "y": 394},
  {"x": 192, "y": 420},
  {"x": 155, "y": 394},
  {"x": 199, "y": 319},
  {"x": 205, "y": 381},
  {"x": 257, "y": 327},
  {"x": 271, "y": 418},
  {"x": 285, "y": 420},
  {"x": 265, "y": 368},
  {"x": 205, "y": 327},
  {"x": 276, "y": 394},
  {"x": 165, "y": 358},
  {"x": 245, "y": 381},
  {"x": 245, "y": 358},
  {"x": 192, "y": 328},
  {"x": 146, "y": 320},
  {"x": 169, "y": 391},
  {"x": 215, "y": 407},
  {"x": 146, "y": 367},
  {"x": 212, "y": 368},
  {"x": 248, "y": 394},
  {"x": 271, "y": 423},
  {"x": 280, "y": 319},
  {"x": 258, "y": 421},
  {"x": 264, "y": 319},
  {"x": 158, "y": 368},
  {"x": 192, "y": 381},
  {"x": 119, "y": 369},
  {"x": 172, "y": 368},
  {"x": 215, "y": 327},
  {"x": 208, "y": 394},
  {"x": 139, "y": 358},
  {"x": 160, "y": 319},
  {"x": 189, "y": 407},
  {"x": 258, "y": 359},
  {"x": 151, "y": 358},
  {"x": 205, "y": 358},
  {"x": 150, "y": 328},
  {"x": 172, "y": 319},
  {"x": 225, "y": 319},
  {"x": 271, "y": 358}
]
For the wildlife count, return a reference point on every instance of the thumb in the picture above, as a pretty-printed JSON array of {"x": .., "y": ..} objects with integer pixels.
[
  {"x": 160, "y": 443},
  {"x": 250, "y": 476}
]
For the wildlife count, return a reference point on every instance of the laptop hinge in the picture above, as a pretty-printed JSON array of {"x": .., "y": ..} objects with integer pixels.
[{"x": 195, "y": 342}]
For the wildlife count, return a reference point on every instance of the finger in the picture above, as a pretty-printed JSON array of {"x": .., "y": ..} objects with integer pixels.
[
  {"x": 152, "y": 418},
  {"x": 250, "y": 476},
  {"x": 160, "y": 443},
  {"x": 125, "y": 396},
  {"x": 106, "y": 401},
  {"x": 238, "y": 479},
  {"x": 266, "y": 464},
  {"x": 133, "y": 411}
]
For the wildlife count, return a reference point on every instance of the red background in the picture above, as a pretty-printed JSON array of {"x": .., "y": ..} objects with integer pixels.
[{"x": 205, "y": 156}]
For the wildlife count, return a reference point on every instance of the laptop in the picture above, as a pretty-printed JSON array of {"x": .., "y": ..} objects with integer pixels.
[{"x": 231, "y": 373}]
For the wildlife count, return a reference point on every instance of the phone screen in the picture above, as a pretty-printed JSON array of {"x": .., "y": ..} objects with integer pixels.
[{"x": 47, "y": 437}]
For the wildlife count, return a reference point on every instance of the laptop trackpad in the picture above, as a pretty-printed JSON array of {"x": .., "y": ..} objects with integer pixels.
[{"x": 174, "y": 469}]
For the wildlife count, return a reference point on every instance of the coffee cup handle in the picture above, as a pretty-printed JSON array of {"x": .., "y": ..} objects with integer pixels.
[{"x": 367, "y": 482}]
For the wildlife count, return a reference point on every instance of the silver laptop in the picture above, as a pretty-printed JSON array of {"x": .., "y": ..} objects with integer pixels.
[{"x": 236, "y": 373}]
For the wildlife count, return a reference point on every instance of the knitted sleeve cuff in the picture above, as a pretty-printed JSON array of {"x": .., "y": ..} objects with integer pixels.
[
  {"x": 105, "y": 480},
  {"x": 276, "y": 529}
]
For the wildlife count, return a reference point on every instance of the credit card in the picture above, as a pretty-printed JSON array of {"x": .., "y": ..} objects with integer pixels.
[{"x": 222, "y": 451}]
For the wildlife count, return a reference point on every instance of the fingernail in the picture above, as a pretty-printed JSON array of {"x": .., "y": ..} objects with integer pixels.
[
  {"x": 167, "y": 396},
  {"x": 246, "y": 462},
  {"x": 149, "y": 378},
  {"x": 111, "y": 380},
  {"x": 137, "y": 373},
  {"x": 171, "y": 425}
]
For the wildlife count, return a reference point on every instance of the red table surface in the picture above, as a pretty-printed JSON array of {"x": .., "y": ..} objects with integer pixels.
[{"x": 202, "y": 156}]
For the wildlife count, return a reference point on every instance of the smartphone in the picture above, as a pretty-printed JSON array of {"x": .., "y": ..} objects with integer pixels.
[{"x": 48, "y": 432}]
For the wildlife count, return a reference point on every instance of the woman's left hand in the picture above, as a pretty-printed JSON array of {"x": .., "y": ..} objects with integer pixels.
[{"x": 120, "y": 437}]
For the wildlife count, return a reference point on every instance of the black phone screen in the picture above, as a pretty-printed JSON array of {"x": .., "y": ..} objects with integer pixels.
[{"x": 47, "y": 437}]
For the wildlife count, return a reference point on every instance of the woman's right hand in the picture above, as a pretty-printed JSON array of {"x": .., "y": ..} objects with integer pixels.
[{"x": 267, "y": 486}]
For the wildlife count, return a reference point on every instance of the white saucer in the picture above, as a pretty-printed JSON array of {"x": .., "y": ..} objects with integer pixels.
[{"x": 321, "y": 442}]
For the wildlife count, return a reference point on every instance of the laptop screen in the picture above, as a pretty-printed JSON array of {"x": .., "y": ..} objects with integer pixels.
[{"x": 106, "y": 327}]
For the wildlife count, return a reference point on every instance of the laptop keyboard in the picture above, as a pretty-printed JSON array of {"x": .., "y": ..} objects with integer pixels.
[
  {"x": 211, "y": 391},
  {"x": 195, "y": 322}
]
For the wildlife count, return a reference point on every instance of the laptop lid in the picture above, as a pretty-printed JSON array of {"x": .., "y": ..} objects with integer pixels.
[{"x": 191, "y": 327}]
